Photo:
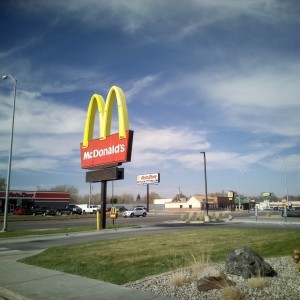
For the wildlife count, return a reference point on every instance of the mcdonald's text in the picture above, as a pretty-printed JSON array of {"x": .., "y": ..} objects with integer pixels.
[
  {"x": 103, "y": 152},
  {"x": 108, "y": 151}
]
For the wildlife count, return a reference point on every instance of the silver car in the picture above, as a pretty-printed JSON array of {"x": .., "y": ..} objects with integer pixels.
[{"x": 135, "y": 212}]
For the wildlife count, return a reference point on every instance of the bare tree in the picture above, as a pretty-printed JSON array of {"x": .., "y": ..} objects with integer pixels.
[
  {"x": 2, "y": 183},
  {"x": 71, "y": 189},
  {"x": 152, "y": 196}
]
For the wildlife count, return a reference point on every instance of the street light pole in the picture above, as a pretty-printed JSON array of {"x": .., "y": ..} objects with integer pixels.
[
  {"x": 4, "y": 228},
  {"x": 285, "y": 176},
  {"x": 239, "y": 193},
  {"x": 205, "y": 178}
]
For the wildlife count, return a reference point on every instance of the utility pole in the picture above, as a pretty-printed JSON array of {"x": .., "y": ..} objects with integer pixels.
[{"x": 205, "y": 178}]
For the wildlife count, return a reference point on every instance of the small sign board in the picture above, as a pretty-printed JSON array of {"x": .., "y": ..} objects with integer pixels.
[
  {"x": 148, "y": 178},
  {"x": 105, "y": 175},
  {"x": 266, "y": 194},
  {"x": 230, "y": 194}
]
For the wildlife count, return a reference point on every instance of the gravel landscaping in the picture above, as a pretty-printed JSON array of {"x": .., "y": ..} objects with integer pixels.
[{"x": 285, "y": 286}]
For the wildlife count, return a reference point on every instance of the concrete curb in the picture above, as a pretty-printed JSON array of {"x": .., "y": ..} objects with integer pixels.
[{"x": 9, "y": 295}]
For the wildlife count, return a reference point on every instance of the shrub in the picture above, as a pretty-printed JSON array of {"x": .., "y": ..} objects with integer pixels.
[
  {"x": 296, "y": 258},
  {"x": 192, "y": 216},
  {"x": 200, "y": 216},
  {"x": 232, "y": 293},
  {"x": 257, "y": 282},
  {"x": 198, "y": 258},
  {"x": 179, "y": 278}
]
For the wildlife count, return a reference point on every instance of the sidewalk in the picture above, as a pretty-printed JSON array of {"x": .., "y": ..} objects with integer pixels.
[{"x": 19, "y": 281}]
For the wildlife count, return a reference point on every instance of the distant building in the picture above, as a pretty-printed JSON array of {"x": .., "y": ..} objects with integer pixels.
[
  {"x": 279, "y": 205},
  {"x": 162, "y": 201},
  {"x": 198, "y": 202},
  {"x": 243, "y": 203}
]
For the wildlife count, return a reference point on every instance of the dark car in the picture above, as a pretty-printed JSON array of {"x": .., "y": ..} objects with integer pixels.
[
  {"x": 70, "y": 209},
  {"x": 293, "y": 212},
  {"x": 121, "y": 208},
  {"x": 75, "y": 209},
  {"x": 45, "y": 211}
]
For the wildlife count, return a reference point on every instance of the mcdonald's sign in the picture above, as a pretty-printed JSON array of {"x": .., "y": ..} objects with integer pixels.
[{"x": 108, "y": 148}]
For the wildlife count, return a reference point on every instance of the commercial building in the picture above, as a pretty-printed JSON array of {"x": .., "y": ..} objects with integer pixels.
[
  {"x": 198, "y": 202},
  {"x": 27, "y": 199}
]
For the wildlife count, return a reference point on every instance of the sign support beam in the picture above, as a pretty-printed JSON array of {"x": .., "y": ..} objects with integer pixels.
[
  {"x": 148, "y": 197},
  {"x": 103, "y": 204}
]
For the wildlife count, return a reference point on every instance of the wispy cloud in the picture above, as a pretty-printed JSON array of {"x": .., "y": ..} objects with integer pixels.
[
  {"x": 141, "y": 84},
  {"x": 135, "y": 15},
  {"x": 18, "y": 48},
  {"x": 263, "y": 85},
  {"x": 261, "y": 98}
]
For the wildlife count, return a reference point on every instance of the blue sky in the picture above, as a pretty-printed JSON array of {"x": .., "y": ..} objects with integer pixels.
[{"x": 219, "y": 76}]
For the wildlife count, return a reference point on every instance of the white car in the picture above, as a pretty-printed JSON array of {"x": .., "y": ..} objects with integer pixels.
[{"x": 135, "y": 212}]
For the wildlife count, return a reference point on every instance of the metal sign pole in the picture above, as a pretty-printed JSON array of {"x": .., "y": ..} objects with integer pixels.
[
  {"x": 147, "y": 197},
  {"x": 103, "y": 204}
]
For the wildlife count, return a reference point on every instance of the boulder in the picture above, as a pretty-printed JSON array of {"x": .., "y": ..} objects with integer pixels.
[{"x": 246, "y": 263}]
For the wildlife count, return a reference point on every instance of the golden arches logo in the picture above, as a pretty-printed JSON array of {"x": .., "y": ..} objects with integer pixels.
[
  {"x": 107, "y": 149},
  {"x": 105, "y": 110}
]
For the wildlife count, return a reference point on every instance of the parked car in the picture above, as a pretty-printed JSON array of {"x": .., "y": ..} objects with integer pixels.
[
  {"x": 89, "y": 209},
  {"x": 145, "y": 208},
  {"x": 121, "y": 208},
  {"x": 70, "y": 209},
  {"x": 135, "y": 212},
  {"x": 45, "y": 211},
  {"x": 293, "y": 212},
  {"x": 20, "y": 211}
]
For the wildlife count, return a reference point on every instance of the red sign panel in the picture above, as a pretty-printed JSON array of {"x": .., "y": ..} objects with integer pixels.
[{"x": 108, "y": 151}]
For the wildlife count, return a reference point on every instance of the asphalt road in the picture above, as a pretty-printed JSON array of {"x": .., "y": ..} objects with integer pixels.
[
  {"x": 152, "y": 219},
  {"x": 49, "y": 222}
]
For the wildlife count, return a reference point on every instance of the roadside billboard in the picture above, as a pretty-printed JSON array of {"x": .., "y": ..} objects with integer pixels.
[{"x": 148, "y": 178}]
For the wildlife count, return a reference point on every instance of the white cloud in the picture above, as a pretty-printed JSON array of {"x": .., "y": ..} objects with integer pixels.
[
  {"x": 262, "y": 97},
  {"x": 278, "y": 162},
  {"x": 44, "y": 131},
  {"x": 35, "y": 164},
  {"x": 164, "y": 146},
  {"x": 264, "y": 86},
  {"x": 36, "y": 114}
]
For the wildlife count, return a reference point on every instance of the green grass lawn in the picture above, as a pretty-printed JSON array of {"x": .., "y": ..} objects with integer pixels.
[{"x": 123, "y": 260}]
